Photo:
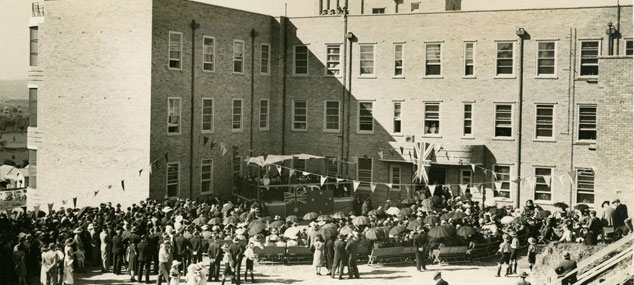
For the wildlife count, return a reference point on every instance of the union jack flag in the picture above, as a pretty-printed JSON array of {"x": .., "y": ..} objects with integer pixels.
[{"x": 296, "y": 196}]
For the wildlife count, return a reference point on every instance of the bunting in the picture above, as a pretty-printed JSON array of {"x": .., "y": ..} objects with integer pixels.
[
  {"x": 290, "y": 172},
  {"x": 211, "y": 145},
  {"x": 74, "y": 202},
  {"x": 140, "y": 171},
  {"x": 205, "y": 140},
  {"x": 463, "y": 188},
  {"x": 355, "y": 185},
  {"x": 380, "y": 153},
  {"x": 279, "y": 169},
  {"x": 547, "y": 179},
  {"x": 305, "y": 173},
  {"x": 372, "y": 186},
  {"x": 339, "y": 180},
  {"x": 223, "y": 148},
  {"x": 498, "y": 185},
  {"x": 432, "y": 189},
  {"x": 389, "y": 185},
  {"x": 36, "y": 209},
  {"x": 472, "y": 167},
  {"x": 322, "y": 179},
  {"x": 50, "y": 207},
  {"x": 95, "y": 193},
  {"x": 123, "y": 185}
]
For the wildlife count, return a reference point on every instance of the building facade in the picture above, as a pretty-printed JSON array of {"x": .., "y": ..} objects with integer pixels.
[{"x": 520, "y": 104}]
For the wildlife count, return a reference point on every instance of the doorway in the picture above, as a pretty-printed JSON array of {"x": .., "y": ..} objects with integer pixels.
[{"x": 437, "y": 175}]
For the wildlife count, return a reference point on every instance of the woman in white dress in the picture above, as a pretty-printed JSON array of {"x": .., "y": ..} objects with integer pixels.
[
  {"x": 69, "y": 254},
  {"x": 318, "y": 256}
]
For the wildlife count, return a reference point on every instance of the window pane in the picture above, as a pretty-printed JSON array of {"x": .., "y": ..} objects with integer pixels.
[
  {"x": 504, "y": 59},
  {"x": 366, "y": 120}
]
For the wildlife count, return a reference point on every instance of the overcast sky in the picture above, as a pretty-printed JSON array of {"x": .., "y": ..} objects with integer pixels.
[{"x": 14, "y": 19}]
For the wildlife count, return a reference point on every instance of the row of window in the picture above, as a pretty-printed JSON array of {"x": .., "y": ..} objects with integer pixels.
[
  {"x": 503, "y": 119},
  {"x": 173, "y": 177},
  {"x": 546, "y": 60}
]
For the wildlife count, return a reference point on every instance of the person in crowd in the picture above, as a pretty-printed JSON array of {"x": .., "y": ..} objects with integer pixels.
[
  {"x": 318, "y": 254},
  {"x": 49, "y": 265},
  {"x": 515, "y": 247},
  {"x": 193, "y": 275},
  {"x": 214, "y": 252},
  {"x": 607, "y": 214},
  {"x": 228, "y": 263},
  {"x": 329, "y": 253},
  {"x": 69, "y": 259},
  {"x": 532, "y": 252},
  {"x": 438, "y": 279},
  {"x": 620, "y": 215},
  {"x": 143, "y": 258},
  {"x": 505, "y": 251},
  {"x": 249, "y": 256},
  {"x": 165, "y": 259},
  {"x": 131, "y": 258},
  {"x": 196, "y": 243},
  {"x": 522, "y": 280},
  {"x": 236, "y": 249},
  {"x": 340, "y": 257},
  {"x": 564, "y": 268},
  {"x": 175, "y": 274},
  {"x": 19, "y": 262},
  {"x": 352, "y": 249},
  {"x": 420, "y": 242},
  {"x": 117, "y": 252}
]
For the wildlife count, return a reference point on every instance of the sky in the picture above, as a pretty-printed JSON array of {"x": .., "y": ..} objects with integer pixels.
[{"x": 14, "y": 20}]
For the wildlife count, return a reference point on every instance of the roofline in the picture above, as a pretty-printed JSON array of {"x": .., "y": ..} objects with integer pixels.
[
  {"x": 465, "y": 11},
  {"x": 197, "y": 2}
]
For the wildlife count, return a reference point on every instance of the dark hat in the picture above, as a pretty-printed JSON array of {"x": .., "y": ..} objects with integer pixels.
[
  {"x": 566, "y": 254},
  {"x": 524, "y": 274},
  {"x": 436, "y": 274}
]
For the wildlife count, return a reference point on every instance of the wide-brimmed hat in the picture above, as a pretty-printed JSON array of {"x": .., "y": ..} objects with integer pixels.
[
  {"x": 531, "y": 240},
  {"x": 77, "y": 231},
  {"x": 204, "y": 227},
  {"x": 175, "y": 263},
  {"x": 436, "y": 274},
  {"x": 524, "y": 274},
  {"x": 225, "y": 246}
]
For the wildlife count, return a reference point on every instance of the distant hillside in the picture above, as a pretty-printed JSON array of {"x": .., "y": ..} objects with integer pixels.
[{"x": 13, "y": 89}]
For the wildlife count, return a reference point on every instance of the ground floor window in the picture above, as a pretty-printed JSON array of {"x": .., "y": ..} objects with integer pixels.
[
  {"x": 173, "y": 179},
  {"x": 237, "y": 166},
  {"x": 395, "y": 177},
  {"x": 364, "y": 171},
  {"x": 206, "y": 175},
  {"x": 503, "y": 181},
  {"x": 466, "y": 176},
  {"x": 585, "y": 185},
  {"x": 543, "y": 185}
]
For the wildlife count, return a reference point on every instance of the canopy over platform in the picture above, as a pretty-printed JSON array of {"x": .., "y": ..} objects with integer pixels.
[{"x": 442, "y": 154}]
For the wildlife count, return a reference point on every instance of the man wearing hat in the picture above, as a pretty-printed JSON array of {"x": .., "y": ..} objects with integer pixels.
[
  {"x": 566, "y": 266},
  {"x": 595, "y": 227},
  {"x": 165, "y": 258},
  {"x": 215, "y": 256},
  {"x": 196, "y": 247},
  {"x": 438, "y": 279},
  {"x": 143, "y": 257},
  {"x": 117, "y": 252},
  {"x": 49, "y": 264},
  {"x": 237, "y": 253},
  {"x": 420, "y": 240},
  {"x": 522, "y": 280}
]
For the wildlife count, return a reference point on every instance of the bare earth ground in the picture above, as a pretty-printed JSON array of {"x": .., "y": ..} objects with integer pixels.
[{"x": 481, "y": 272}]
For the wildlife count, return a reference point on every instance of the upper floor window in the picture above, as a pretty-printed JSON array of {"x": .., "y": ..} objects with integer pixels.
[
  {"x": 504, "y": 58},
  {"x": 331, "y": 116},
  {"x": 433, "y": 59},
  {"x": 366, "y": 59},
  {"x": 264, "y": 114},
  {"x": 208, "y": 115},
  {"x": 209, "y": 50},
  {"x": 33, "y": 47},
  {"x": 175, "y": 49},
  {"x": 238, "y": 56},
  {"x": 503, "y": 120},
  {"x": 502, "y": 181},
  {"x": 546, "y": 60},
  {"x": 333, "y": 59},
  {"x": 544, "y": 121},
  {"x": 236, "y": 115},
  {"x": 378, "y": 10},
  {"x": 543, "y": 183},
  {"x": 585, "y": 185},
  {"x": 467, "y": 125},
  {"x": 365, "y": 119},
  {"x": 398, "y": 108},
  {"x": 590, "y": 51},
  {"x": 432, "y": 118},
  {"x": 587, "y": 123},
  {"x": 300, "y": 60},
  {"x": 469, "y": 59},
  {"x": 173, "y": 115},
  {"x": 300, "y": 115},
  {"x": 265, "y": 59},
  {"x": 398, "y": 59},
  {"x": 364, "y": 171},
  {"x": 629, "y": 49}
]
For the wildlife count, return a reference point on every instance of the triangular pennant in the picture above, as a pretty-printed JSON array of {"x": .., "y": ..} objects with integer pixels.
[
  {"x": 290, "y": 172},
  {"x": 305, "y": 173},
  {"x": 372, "y": 186},
  {"x": 123, "y": 185},
  {"x": 223, "y": 149},
  {"x": 389, "y": 185},
  {"x": 74, "y": 202},
  {"x": 50, "y": 207},
  {"x": 94, "y": 193},
  {"x": 205, "y": 140},
  {"x": 8, "y": 210},
  {"x": 211, "y": 145},
  {"x": 463, "y": 188},
  {"x": 498, "y": 185},
  {"x": 110, "y": 186},
  {"x": 472, "y": 167},
  {"x": 402, "y": 149},
  {"x": 140, "y": 171},
  {"x": 407, "y": 189},
  {"x": 495, "y": 175},
  {"x": 36, "y": 210},
  {"x": 279, "y": 169},
  {"x": 380, "y": 155},
  {"x": 64, "y": 202},
  {"x": 339, "y": 180},
  {"x": 355, "y": 185},
  {"x": 432, "y": 189},
  {"x": 547, "y": 179},
  {"x": 166, "y": 156},
  {"x": 322, "y": 179},
  {"x": 570, "y": 177}
]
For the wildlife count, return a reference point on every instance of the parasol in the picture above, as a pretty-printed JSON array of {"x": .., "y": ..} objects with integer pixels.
[
  {"x": 323, "y": 218},
  {"x": 292, "y": 232},
  {"x": 230, "y": 220},
  {"x": 327, "y": 232},
  {"x": 431, "y": 220},
  {"x": 507, "y": 220},
  {"x": 265, "y": 219},
  {"x": 346, "y": 230},
  {"x": 276, "y": 224},
  {"x": 446, "y": 216},
  {"x": 397, "y": 230},
  {"x": 339, "y": 215},
  {"x": 374, "y": 234},
  {"x": 310, "y": 216},
  {"x": 458, "y": 215},
  {"x": 413, "y": 225},
  {"x": 405, "y": 212},
  {"x": 466, "y": 231},
  {"x": 393, "y": 211},
  {"x": 214, "y": 221},
  {"x": 361, "y": 220},
  {"x": 561, "y": 205},
  {"x": 292, "y": 219},
  {"x": 441, "y": 232},
  {"x": 542, "y": 214},
  {"x": 408, "y": 201},
  {"x": 427, "y": 205},
  {"x": 256, "y": 228}
]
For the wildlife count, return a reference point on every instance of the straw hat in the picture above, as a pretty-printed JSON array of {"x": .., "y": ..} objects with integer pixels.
[{"x": 175, "y": 263}]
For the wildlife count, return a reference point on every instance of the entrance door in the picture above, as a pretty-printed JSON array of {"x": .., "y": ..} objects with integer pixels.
[{"x": 437, "y": 175}]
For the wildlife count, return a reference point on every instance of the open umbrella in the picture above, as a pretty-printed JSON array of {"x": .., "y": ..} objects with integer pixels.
[
  {"x": 346, "y": 230},
  {"x": 582, "y": 207},
  {"x": 542, "y": 214},
  {"x": 256, "y": 228},
  {"x": 405, "y": 212},
  {"x": 427, "y": 205},
  {"x": 276, "y": 224},
  {"x": 507, "y": 220},
  {"x": 466, "y": 231},
  {"x": 393, "y": 211},
  {"x": 292, "y": 219},
  {"x": 226, "y": 208},
  {"x": 397, "y": 230},
  {"x": 374, "y": 234},
  {"x": 446, "y": 216},
  {"x": 441, "y": 232},
  {"x": 339, "y": 215},
  {"x": 561, "y": 205},
  {"x": 431, "y": 220},
  {"x": 230, "y": 220},
  {"x": 360, "y": 220},
  {"x": 310, "y": 216},
  {"x": 265, "y": 219},
  {"x": 375, "y": 212},
  {"x": 323, "y": 218},
  {"x": 413, "y": 225},
  {"x": 167, "y": 209},
  {"x": 329, "y": 225},
  {"x": 517, "y": 221},
  {"x": 214, "y": 221},
  {"x": 497, "y": 211},
  {"x": 243, "y": 216},
  {"x": 292, "y": 232},
  {"x": 327, "y": 233},
  {"x": 408, "y": 201},
  {"x": 458, "y": 215}
]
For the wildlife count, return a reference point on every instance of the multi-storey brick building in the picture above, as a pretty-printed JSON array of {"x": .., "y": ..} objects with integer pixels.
[{"x": 526, "y": 104}]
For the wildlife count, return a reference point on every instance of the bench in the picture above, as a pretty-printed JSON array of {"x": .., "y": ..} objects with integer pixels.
[
  {"x": 389, "y": 255},
  {"x": 445, "y": 254},
  {"x": 299, "y": 255},
  {"x": 270, "y": 254}
]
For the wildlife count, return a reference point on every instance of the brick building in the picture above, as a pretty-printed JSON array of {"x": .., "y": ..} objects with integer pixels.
[{"x": 520, "y": 104}]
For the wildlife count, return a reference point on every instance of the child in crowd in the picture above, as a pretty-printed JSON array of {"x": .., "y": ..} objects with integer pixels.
[{"x": 532, "y": 252}]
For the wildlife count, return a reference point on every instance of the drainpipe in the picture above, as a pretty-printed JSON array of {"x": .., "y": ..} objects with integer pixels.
[
  {"x": 521, "y": 33},
  {"x": 349, "y": 37},
  {"x": 193, "y": 25},
  {"x": 610, "y": 31},
  {"x": 343, "y": 89},
  {"x": 253, "y": 34},
  {"x": 618, "y": 28},
  {"x": 284, "y": 49},
  {"x": 573, "y": 73}
]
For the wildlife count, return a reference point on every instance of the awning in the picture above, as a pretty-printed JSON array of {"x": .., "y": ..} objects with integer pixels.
[{"x": 442, "y": 154}]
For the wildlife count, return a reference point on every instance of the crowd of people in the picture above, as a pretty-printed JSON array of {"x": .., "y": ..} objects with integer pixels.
[{"x": 169, "y": 238}]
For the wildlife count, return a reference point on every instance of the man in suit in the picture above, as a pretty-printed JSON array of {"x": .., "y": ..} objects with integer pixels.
[
  {"x": 181, "y": 249},
  {"x": 117, "y": 252},
  {"x": 340, "y": 257},
  {"x": 153, "y": 241},
  {"x": 215, "y": 256},
  {"x": 106, "y": 249},
  {"x": 144, "y": 258},
  {"x": 237, "y": 252},
  {"x": 620, "y": 215},
  {"x": 196, "y": 247},
  {"x": 165, "y": 259},
  {"x": 595, "y": 227},
  {"x": 352, "y": 248},
  {"x": 420, "y": 241},
  {"x": 329, "y": 249},
  {"x": 566, "y": 266}
]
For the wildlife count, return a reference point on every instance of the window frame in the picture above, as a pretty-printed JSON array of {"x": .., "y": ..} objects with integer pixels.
[
  {"x": 268, "y": 59},
  {"x": 371, "y": 172},
  {"x": 211, "y": 175},
  {"x": 240, "y": 165},
  {"x": 626, "y": 40},
  {"x": 426, "y": 58},
  {"x": 293, "y": 113},
  {"x": 537, "y": 58},
  {"x": 439, "y": 130},
  {"x": 202, "y": 116},
  {"x": 367, "y": 75},
  {"x": 578, "y": 123},
  {"x": 512, "y": 135},
  {"x": 378, "y": 9},
  {"x": 325, "y": 126},
  {"x": 235, "y": 59},
  {"x": 402, "y": 67},
  {"x": 579, "y": 58},
  {"x": 513, "y": 63},
  {"x": 496, "y": 179},
  {"x": 359, "y": 131},
  {"x": 473, "y": 59},
  {"x": 238, "y": 130},
  {"x": 268, "y": 115},
  {"x": 464, "y": 119},
  {"x": 34, "y": 55},
  {"x": 169, "y": 50},
  {"x": 213, "y": 54},
  {"x": 536, "y": 137},
  {"x": 328, "y": 61},
  {"x": 180, "y": 116},
  {"x": 396, "y": 186},
  {"x": 400, "y": 117},
  {"x": 167, "y": 181},
  {"x": 295, "y": 61},
  {"x": 585, "y": 192},
  {"x": 551, "y": 190},
  {"x": 462, "y": 176}
]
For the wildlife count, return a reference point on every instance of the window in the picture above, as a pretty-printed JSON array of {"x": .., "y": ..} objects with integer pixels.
[
  {"x": 432, "y": 118},
  {"x": 331, "y": 116},
  {"x": 378, "y": 10},
  {"x": 208, "y": 115},
  {"x": 33, "y": 107},
  {"x": 544, "y": 116},
  {"x": 265, "y": 59},
  {"x": 398, "y": 60},
  {"x": 546, "y": 58},
  {"x": 173, "y": 115},
  {"x": 587, "y": 123},
  {"x": 238, "y": 56},
  {"x": 364, "y": 171},
  {"x": 209, "y": 51},
  {"x": 332, "y": 166},
  {"x": 236, "y": 165},
  {"x": 173, "y": 179},
  {"x": 366, "y": 120},
  {"x": 543, "y": 183},
  {"x": 395, "y": 177},
  {"x": 175, "y": 49},
  {"x": 585, "y": 185},
  {"x": 397, "y": 117},
  {"x": 301, "y": 60},
  {"x": 469, "y": 59},
  {"x": 264, "y": 114},
  {"x": 504, "y": 120},
  {"x": 467, "y": 120},
  {"x": 33, "y": 47},
  {"x": 206, "y": 175},
  {"x": 299, "y": 164},
  {"x": 333, "y": 60},
  {"x": 366, "y": 59},
  {"x": 415, "y": 6},
  {"x": 466, "y": 176},
  {"x": 504, "y": 59},
  {"x": 628, "y": 47},
  {"x": 590, "y": 51},
  {"x": 433, "y": 58},
  {"x": 236, "y": 115},
  {"x": 504, "y": 178},
  {"x": 299, "y": 115}
]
